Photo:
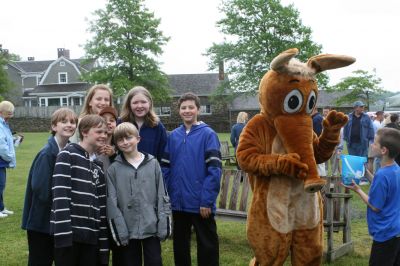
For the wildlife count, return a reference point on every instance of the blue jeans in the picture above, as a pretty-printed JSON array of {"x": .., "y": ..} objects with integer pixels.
[{"x": 2, "y": 186}]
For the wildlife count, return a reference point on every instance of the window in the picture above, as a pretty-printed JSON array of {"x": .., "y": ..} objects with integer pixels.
[
  {"x": 76, "y": 101},
  {"x": 42, "y": 101},
  {"x": 64, "y": 101},
  {"x": 62, "y": 63},
  {"x": 53, "y": 102},
  {"x": 205, "y": 109},
  {"x": 163, "y": 110},
  {"x": 62, "y": 77}
]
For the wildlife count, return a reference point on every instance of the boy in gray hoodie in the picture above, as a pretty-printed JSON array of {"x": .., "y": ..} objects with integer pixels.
[{"x": 138, "y": 208}]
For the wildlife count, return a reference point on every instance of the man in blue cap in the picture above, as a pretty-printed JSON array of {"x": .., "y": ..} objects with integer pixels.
[{"x": 359, "y": 131}]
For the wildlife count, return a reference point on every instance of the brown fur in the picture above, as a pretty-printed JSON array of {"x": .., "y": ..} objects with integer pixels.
[{"x": 279, "y": 151}]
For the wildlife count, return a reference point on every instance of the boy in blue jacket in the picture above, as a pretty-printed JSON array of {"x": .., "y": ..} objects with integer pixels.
[
  {"x": 37, "y": 208},
  {"x": 383, "y": 201},
  {"x": 191, "y": 167}
]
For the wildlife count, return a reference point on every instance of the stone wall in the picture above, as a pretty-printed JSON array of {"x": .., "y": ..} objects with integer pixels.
[{"x": 30, "y": 124}]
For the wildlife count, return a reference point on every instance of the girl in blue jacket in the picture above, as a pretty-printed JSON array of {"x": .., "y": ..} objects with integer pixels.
[
  {"x": 138, "y": 109},
  {"x": 191, "y": 167},
  {"x": 37, "y": 208}
]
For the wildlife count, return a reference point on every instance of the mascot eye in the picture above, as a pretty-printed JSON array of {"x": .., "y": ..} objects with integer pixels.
[
  {"x": 312, "y": 101},
  {"x": 293, "y": 101}
]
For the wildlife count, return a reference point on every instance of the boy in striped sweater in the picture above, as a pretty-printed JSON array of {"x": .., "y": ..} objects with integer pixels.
[{"x": 78, "y": 214}]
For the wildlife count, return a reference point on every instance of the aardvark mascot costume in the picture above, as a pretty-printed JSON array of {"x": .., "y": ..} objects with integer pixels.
[{"x": 279, "y": 151}]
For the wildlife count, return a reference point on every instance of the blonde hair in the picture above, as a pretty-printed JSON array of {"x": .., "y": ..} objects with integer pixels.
[
  {"x": 124, "y": 130},
  {"x": 242, "y": 117},
  {"x": 63, "y": 114},
  {"x": 150, "y": 119},
  {"x": 6, "y": 106},
  {"x": 86, "y": 110}
]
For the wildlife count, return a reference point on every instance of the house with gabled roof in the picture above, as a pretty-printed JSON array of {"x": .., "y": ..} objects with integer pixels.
[{"x": 49, "y": 83}]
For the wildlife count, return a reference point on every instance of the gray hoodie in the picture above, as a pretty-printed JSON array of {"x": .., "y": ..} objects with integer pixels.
[{"x": 137, "y": 204}]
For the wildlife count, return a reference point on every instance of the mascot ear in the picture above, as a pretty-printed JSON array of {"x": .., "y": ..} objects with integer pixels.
[
  {"x": 280, "y": 62},
  {"x": 324, "y": 62}
]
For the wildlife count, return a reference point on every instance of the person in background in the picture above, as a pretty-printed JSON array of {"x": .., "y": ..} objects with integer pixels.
[
  {"x": 317, "y": 119},
  {"x": 192, "y": 170},
  {"x": 237, "y": 128},
  {"x": 135, "y": 202},
  {"x": 378, "y": 122},
  {"x": 138, "y": 110},
  {"x": 107, "y": 153},
  {"x": 37, "y": 207},
  {"x": 394, "y": 121},
  {"x": 383, "y": 201},
  {"x": 7, "y": 151},
  {"x": 98, "y": 97},
  {"x": 78, "y": 213}
]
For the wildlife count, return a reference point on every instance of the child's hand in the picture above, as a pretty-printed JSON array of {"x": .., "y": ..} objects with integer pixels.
[{"x": 353, "y": 186}]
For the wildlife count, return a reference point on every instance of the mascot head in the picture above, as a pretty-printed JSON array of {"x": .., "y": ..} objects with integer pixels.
[{"x": 288, "y": 94}]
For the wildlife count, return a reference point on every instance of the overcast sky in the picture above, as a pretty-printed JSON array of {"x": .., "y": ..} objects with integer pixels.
[{"x": 367, "y": 30}]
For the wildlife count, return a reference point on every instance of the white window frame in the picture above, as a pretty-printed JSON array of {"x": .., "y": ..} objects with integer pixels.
[
  {"x": 203, "y": 109},
  {"x": 59, "y": 77},
  {"x": 63, "y": 101},
  {"x": 162, "y": 110}
]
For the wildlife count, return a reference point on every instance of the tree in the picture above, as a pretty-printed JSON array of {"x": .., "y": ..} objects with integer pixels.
[
  {"x": 5, "y": 83},
  {"x": 126, "y": 42},
  {"x": 258, "y": 31},
  {"x": 363, "y": 85}
]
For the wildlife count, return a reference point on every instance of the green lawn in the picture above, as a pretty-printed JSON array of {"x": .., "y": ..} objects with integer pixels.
[{"x": 234, "y": 249}]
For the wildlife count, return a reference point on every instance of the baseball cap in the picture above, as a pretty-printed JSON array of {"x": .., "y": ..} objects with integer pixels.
[
  {"x": 358, "y": 103},
  {"x": 109, "y": 110}
]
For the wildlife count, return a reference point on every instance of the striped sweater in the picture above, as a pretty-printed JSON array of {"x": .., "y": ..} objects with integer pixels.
[{"x": 78, "y": 212}]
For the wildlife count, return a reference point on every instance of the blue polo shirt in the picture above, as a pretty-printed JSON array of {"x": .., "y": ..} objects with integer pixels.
[{"x": 384, "y": 195}]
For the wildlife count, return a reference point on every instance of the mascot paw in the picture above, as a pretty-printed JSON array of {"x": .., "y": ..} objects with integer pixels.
[
  {"x": 290, "y": 165},
  {"x": 314, "y": 185},
  {"x": 335, "y": 120}
]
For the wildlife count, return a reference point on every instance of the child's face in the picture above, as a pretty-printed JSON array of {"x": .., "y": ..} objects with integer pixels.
[
  {"x": 64, "y": 128},
  {"x": 111, "y": 123},
  {"x": 189, "y": 112},
  {"x": 101, "y": 99},
  {"x": 140, "y": 105},
  {"x": 128, "y": 144},
  {"x": 376, "y": 148},
  {"x": 96, "y": 136}
]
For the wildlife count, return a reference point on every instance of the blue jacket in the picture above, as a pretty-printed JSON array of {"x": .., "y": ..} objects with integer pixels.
[
  {"x": 153, "y": 140},
  {"x": 366, "y": 130},
  {"x": 7, "y": 151},
  {"x": 235, "y": 133},
  {"x": 192, "y": 168},
  {"x": 37, "y": 207}
]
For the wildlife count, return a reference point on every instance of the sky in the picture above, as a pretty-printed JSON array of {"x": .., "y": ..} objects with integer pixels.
[{"x": 366, "y": 30}]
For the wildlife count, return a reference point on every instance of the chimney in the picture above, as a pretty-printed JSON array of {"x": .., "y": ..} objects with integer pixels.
[
  {"x": 62, "y": 52},
  {"x": 221, "y": 72},
  {"x": 31, "y": 58}
]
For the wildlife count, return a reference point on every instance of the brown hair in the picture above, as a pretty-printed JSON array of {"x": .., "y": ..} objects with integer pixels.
[
  {"x": 189, "y": 96},
  {"x": 390, "y": 138},
  {"x": 124, "y": 130},
  {"x": 89, "y": 121},
  {"x": 151, "y": 119},
  {"x": 86, "y": 110},
  {"x": 63, "y": 114}
]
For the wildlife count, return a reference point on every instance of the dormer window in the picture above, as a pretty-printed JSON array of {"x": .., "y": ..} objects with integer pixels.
[
  {"x": 62, "y": 63},
  {"x": 62, "y": 77}
]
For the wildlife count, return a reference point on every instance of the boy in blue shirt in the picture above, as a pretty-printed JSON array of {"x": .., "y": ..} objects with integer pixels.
[
  {"x": 383, "y": 212},
  {"x": 191, "y": 167}
]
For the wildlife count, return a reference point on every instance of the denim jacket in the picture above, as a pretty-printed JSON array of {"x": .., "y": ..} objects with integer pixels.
[{"x": 366, "y": 130}]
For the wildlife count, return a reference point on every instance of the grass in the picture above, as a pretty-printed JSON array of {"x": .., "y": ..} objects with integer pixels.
[{"x": 234, "y": 249}]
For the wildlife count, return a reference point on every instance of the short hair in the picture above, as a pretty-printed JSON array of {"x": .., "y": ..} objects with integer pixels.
[
  {"x": 390, "y": 138},
  {"x": 124, "y": 130},
  {"x": 242, "y": 117},
  {"x": 189, "y": 96},
  {"x": 6, "y": 106},
  {"x": 394, "y": 117},
  {"x": 62, "y": 114},
  {"x": 150, "y": 119},
  {"x": 379, "y": 113},
  {"x": 89, "y": 121},
  {"x": 86, "y": 110}
]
